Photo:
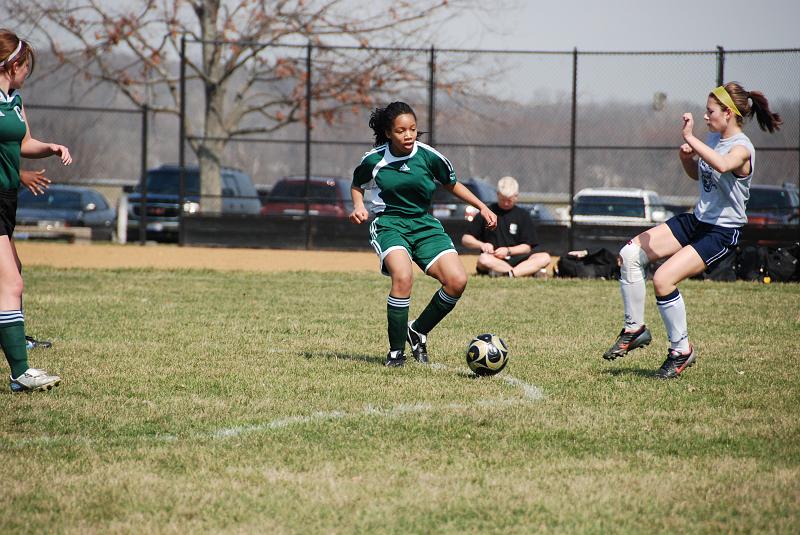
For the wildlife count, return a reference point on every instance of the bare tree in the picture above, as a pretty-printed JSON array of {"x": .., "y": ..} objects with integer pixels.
[{"x": 244, "y": 55}]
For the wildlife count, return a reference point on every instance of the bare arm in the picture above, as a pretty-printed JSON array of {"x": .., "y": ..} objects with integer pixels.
[
  {"x": 735, "y": 160},
  {"x": 506, "y": 252},
  {"x": 359, "y": 213},
  {"x": 471, "y": 242},
  {"x": 33, "y": 148},
  {"x": 514, "y": 250},
  {"x": 688, "y": 160},
  {"x": 462, "y": 192}
]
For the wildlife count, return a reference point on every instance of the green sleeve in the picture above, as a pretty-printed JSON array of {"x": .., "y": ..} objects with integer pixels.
[
  {"x": 363, "y": 173},
  {"x": 443, "y": 170}
]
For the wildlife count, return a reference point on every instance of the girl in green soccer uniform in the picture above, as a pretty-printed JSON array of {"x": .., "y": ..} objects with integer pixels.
[
  {"x": 403, "y": 173},
  {"x": 16, "y": 62}
]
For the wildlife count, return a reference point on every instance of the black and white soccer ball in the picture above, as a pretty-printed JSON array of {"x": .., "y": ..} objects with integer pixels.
[{"x": 487, "y": 354}]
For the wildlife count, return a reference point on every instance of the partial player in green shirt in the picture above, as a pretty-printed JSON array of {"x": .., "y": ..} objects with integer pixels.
[
  {"x": 402, "y": 174},
  {"x": 16, "y": 62}
]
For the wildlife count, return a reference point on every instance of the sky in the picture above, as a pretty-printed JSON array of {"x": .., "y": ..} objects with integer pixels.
[
  {"x": 625, "y": 25},
  {"x": 629, "y": 25}
]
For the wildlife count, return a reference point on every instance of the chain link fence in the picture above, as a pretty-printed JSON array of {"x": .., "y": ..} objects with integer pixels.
[
  {"x": 558, "y": 121},
  {"x": 497, "y": 113}
]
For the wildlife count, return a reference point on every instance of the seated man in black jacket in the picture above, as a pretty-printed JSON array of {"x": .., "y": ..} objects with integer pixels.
[{"x": 506, "y": 251}]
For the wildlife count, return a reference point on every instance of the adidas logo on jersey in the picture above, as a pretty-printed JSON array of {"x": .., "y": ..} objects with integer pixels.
[{"x": 404, "y": 168}]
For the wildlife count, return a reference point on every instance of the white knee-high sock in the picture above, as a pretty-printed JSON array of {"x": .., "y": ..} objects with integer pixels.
[
  {"x": 632, "y": 285},
  {"x": 633, "y": 296},
  {"x": 673, "y": 312}
]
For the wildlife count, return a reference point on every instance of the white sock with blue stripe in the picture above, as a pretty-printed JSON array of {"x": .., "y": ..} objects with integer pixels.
[{"x": 673, "y": 312}]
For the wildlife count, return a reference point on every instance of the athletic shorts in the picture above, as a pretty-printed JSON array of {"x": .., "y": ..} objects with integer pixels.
[
  {"x": 423, "y": 238},
  {"x": 8, "y": 211},
  {"x": 514, "y": 261},
  {"x": 712, "y": 242}
]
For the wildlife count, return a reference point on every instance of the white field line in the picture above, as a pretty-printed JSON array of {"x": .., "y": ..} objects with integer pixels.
[{"x": 530, "y": 394}]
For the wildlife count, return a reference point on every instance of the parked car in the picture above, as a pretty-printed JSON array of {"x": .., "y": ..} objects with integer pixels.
[
  {"x": 445, "y": 205},
  {"x": 263, "y": 191},
  {"x": 68, "y": 206},
  {"x": 327, "y": 196},
  {"x": 773, "y": 205},
  {"x": 239, "y": 196},
  {"x": 619, "y": 206},
  {"x": 540, "y": 213}
]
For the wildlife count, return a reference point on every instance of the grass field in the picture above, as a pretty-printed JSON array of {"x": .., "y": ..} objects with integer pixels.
[{"x": 198, "y": 401}]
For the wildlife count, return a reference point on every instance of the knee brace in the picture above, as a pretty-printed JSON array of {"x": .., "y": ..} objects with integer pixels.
[{"x": 634, "y": 260}]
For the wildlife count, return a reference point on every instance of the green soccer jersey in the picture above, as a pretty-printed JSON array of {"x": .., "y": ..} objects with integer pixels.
[
  {"x": 12, "y": 131},
  {"x": 404, "y": 185}
]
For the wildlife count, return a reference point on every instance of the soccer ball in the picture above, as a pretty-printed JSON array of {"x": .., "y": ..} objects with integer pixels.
[{"x": 487, "y": 354}]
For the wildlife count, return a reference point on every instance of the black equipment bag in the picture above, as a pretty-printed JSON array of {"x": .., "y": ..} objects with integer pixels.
[
  {"x": 781, "y": 265},
  {"x": 795, "y": 252},
  {"x": 751, "y": 262},
  {"x": 596, "y": 264}
]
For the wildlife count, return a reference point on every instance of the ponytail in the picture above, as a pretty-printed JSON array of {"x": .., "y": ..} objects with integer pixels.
[
  {"x": 381, "y": 120},
  {"x": 767, "y": 120}
]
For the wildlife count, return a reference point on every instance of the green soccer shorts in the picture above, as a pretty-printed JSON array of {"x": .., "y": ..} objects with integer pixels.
[{"x": 423, "y": 238}]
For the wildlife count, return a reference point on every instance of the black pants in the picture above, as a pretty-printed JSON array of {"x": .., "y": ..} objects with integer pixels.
[{"x": 8, "y": 211}]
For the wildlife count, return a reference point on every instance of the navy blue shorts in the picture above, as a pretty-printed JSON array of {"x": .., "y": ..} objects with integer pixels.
[{"x": 712, "y": 242}]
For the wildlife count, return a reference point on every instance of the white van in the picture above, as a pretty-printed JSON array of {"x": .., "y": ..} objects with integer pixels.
[{"x": 619, "y": 206}]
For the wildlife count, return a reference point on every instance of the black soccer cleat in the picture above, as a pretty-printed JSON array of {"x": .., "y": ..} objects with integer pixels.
[
  {"x": 675, "y": 364},
  {"x": 628, "y": 342},
  {"x": 395, "y": 359},
  {"x": 418, "y": 342},
  {"x": 33, "y": 343}
]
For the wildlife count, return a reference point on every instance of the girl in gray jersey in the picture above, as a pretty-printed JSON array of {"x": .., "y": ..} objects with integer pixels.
[{"x": 694, "y": 241}]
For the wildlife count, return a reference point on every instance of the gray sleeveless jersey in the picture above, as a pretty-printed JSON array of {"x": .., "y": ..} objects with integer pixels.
[{"x": 723, "y": 196}]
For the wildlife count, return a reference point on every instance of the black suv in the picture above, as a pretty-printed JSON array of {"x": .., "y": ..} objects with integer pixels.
[{"x": 239, "y": 196}]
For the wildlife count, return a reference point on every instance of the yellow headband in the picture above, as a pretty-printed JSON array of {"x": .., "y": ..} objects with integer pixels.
[{"x": 722, "y": 94}]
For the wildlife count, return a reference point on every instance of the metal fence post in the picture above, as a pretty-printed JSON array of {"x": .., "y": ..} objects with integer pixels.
[
  {"x": 182, "y": 140},
  {"x": 432, "y": 98},
  {"x": 720, "y": 66},
  {"x": 572, "y": 149},
  {"x": 308, "y": 143},
  {"x": 143, "y": 181}
]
